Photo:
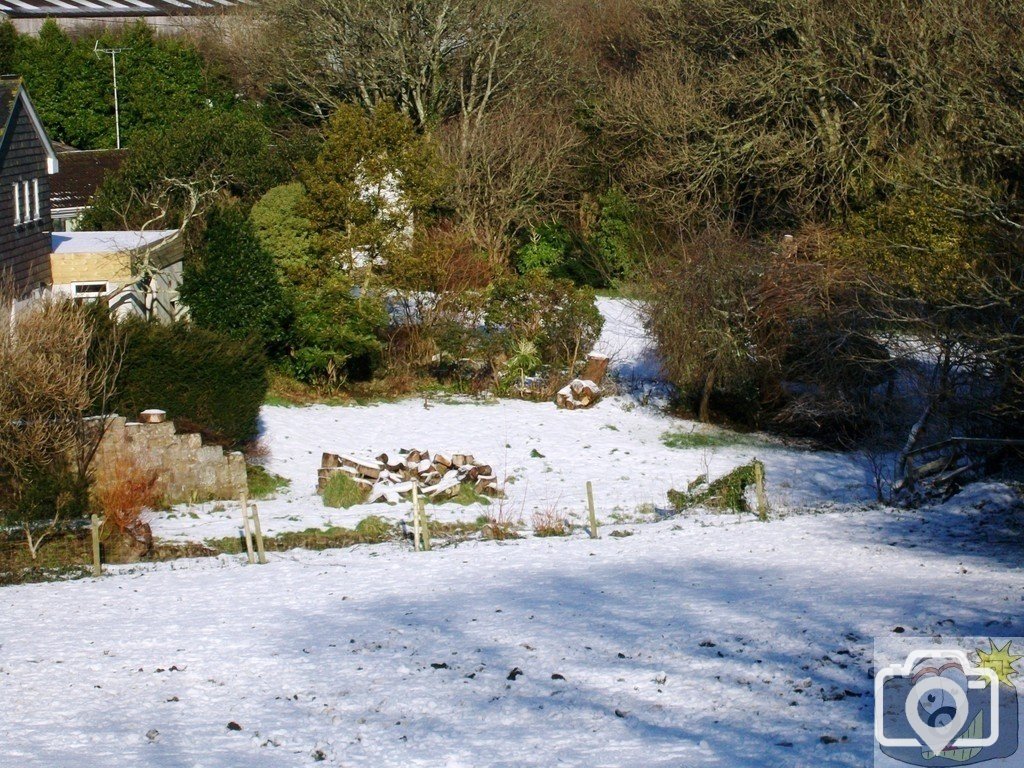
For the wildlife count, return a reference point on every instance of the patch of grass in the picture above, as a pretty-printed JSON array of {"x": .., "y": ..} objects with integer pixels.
[
  {"x": 535, "y": 454},
  {"x": 620, "y": 534},
  {"x": 311, "y": 538},
  {"x": 466, "y": 496},
  {"x": 342, "y": 492},
  {"x": 262, "y": 483},
  {"x": 694, "y": 439},
  {"x": 375, "y": 527},
  {"x": 727, "y": 493}
]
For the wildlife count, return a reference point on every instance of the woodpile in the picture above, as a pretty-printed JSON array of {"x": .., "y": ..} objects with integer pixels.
[
  {"x": 391, "y": 478},
  {"x": 586, "y": 390}
]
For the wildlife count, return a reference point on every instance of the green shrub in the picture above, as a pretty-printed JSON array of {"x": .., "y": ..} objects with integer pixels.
[
  {"x": 561, "y": 320},
  {"x": 231, "y": 283},
  {"x": 615, "y": 241},
  {"x": 205, "y": 380},
  {"x": 285, "y": 233},
  {"x": 375, "y": 528},
  {"x": 545, "y": 251},
  {"x": 727, "y": 493},
  {"x": 342, "y": 492},
  {"x": 337, "y": 332}
]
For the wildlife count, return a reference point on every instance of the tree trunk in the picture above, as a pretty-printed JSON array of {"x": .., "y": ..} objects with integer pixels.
[{"x": 704, "y": 411}]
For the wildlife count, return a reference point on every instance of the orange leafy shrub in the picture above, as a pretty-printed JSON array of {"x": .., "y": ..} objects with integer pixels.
[{"x": 124, "y": 500}]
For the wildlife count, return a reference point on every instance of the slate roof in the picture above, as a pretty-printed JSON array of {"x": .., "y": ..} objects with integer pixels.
[
  {"x": 28, "y": 9},
  {"x": 81, "y": 174}
]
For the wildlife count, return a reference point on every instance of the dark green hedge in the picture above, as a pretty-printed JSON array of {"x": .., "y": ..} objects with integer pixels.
[{"x": 206, "y": 381}]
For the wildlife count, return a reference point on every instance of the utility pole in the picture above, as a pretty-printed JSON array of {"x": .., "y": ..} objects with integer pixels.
[{"x": 112, "y": 52}]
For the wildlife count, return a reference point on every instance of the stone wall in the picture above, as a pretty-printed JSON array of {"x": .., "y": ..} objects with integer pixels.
[{"x": 186, "y": 469}]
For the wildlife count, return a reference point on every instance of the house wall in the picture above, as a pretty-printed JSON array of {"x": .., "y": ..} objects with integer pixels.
[
  {"x": 66, "y": 268},
  {"x": 169, "y": 25},
  {"x": 24, "y": 248},
  {"x": 114, "y": 269}
]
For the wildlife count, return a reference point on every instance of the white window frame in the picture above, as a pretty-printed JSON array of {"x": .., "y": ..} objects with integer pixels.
[
  {"x": 35, "y": 199},
  {"x": 27, "y": 201},
  {"x": 80, "y": 296},
  {"x": 16, "y": 189}
]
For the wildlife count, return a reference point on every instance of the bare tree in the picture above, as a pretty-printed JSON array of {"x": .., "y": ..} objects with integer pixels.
[
  {"x": 431, "y": 59},
  {"x": 505, "y": 175},
  {"x": 172, "y": 203}
]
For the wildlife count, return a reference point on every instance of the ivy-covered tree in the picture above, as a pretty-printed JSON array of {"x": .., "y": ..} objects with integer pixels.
[
  {"x": 8, "y": 41},
  {"x": 374, "y": 176}
]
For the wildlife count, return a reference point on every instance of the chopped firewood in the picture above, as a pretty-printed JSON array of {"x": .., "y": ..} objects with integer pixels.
[
  {"x": 579, "y": 393},
  {"x": 366, "y": 467},
  {"x": 386, "y": 493},
  {"x": 392, "y": 477}
]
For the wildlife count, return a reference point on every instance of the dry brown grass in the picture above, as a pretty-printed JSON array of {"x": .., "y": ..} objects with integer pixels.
[
  {"x": 549, "y": 522},
  {"x": 501, "y": 525}
]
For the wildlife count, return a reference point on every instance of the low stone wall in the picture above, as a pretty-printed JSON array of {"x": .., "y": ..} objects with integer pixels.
[{"x": 186, "y": 469}]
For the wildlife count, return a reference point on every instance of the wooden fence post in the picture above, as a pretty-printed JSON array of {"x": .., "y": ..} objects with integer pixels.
[
  {"x": 593, "y": 512},
  {"x": 416, "y": 515},
  {"x": 97, "y": 566},
  {"x": 247, "y": 529},
  {"x": 262, "y": 553},
  {"x": 762, "y": 498},
  {"x": 424, "y": 525}
]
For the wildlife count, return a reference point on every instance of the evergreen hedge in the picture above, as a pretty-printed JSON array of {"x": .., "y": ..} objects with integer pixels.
[{"x": 206, "y": 381}]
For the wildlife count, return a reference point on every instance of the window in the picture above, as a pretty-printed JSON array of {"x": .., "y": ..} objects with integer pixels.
[
  {"x": 26, "y": 201},
  {"x": 89, "y": 292}
]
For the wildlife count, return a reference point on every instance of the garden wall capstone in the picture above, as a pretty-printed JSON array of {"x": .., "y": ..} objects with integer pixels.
[{"x": 187, "y": 470}]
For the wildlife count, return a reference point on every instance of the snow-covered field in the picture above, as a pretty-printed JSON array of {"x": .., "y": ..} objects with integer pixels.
[
  {"x": 700, "y": 640},
  {"x": 544, "y": 456}
]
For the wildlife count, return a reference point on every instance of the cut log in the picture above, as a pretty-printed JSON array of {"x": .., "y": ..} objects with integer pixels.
[
  {"x": 462, "y": 459},
  {"x": 596, "y": 368},
  {"x": 565, "y": 400},
  {"x": 330, "y": 460},
  {"x": 444, "y": 461}
]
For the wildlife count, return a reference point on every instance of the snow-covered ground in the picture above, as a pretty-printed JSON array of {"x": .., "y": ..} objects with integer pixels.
[
  {"x": 702, "y": 640},
  {"x": 544, "y": 456},
  {"x": 694, "y": 642}
]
